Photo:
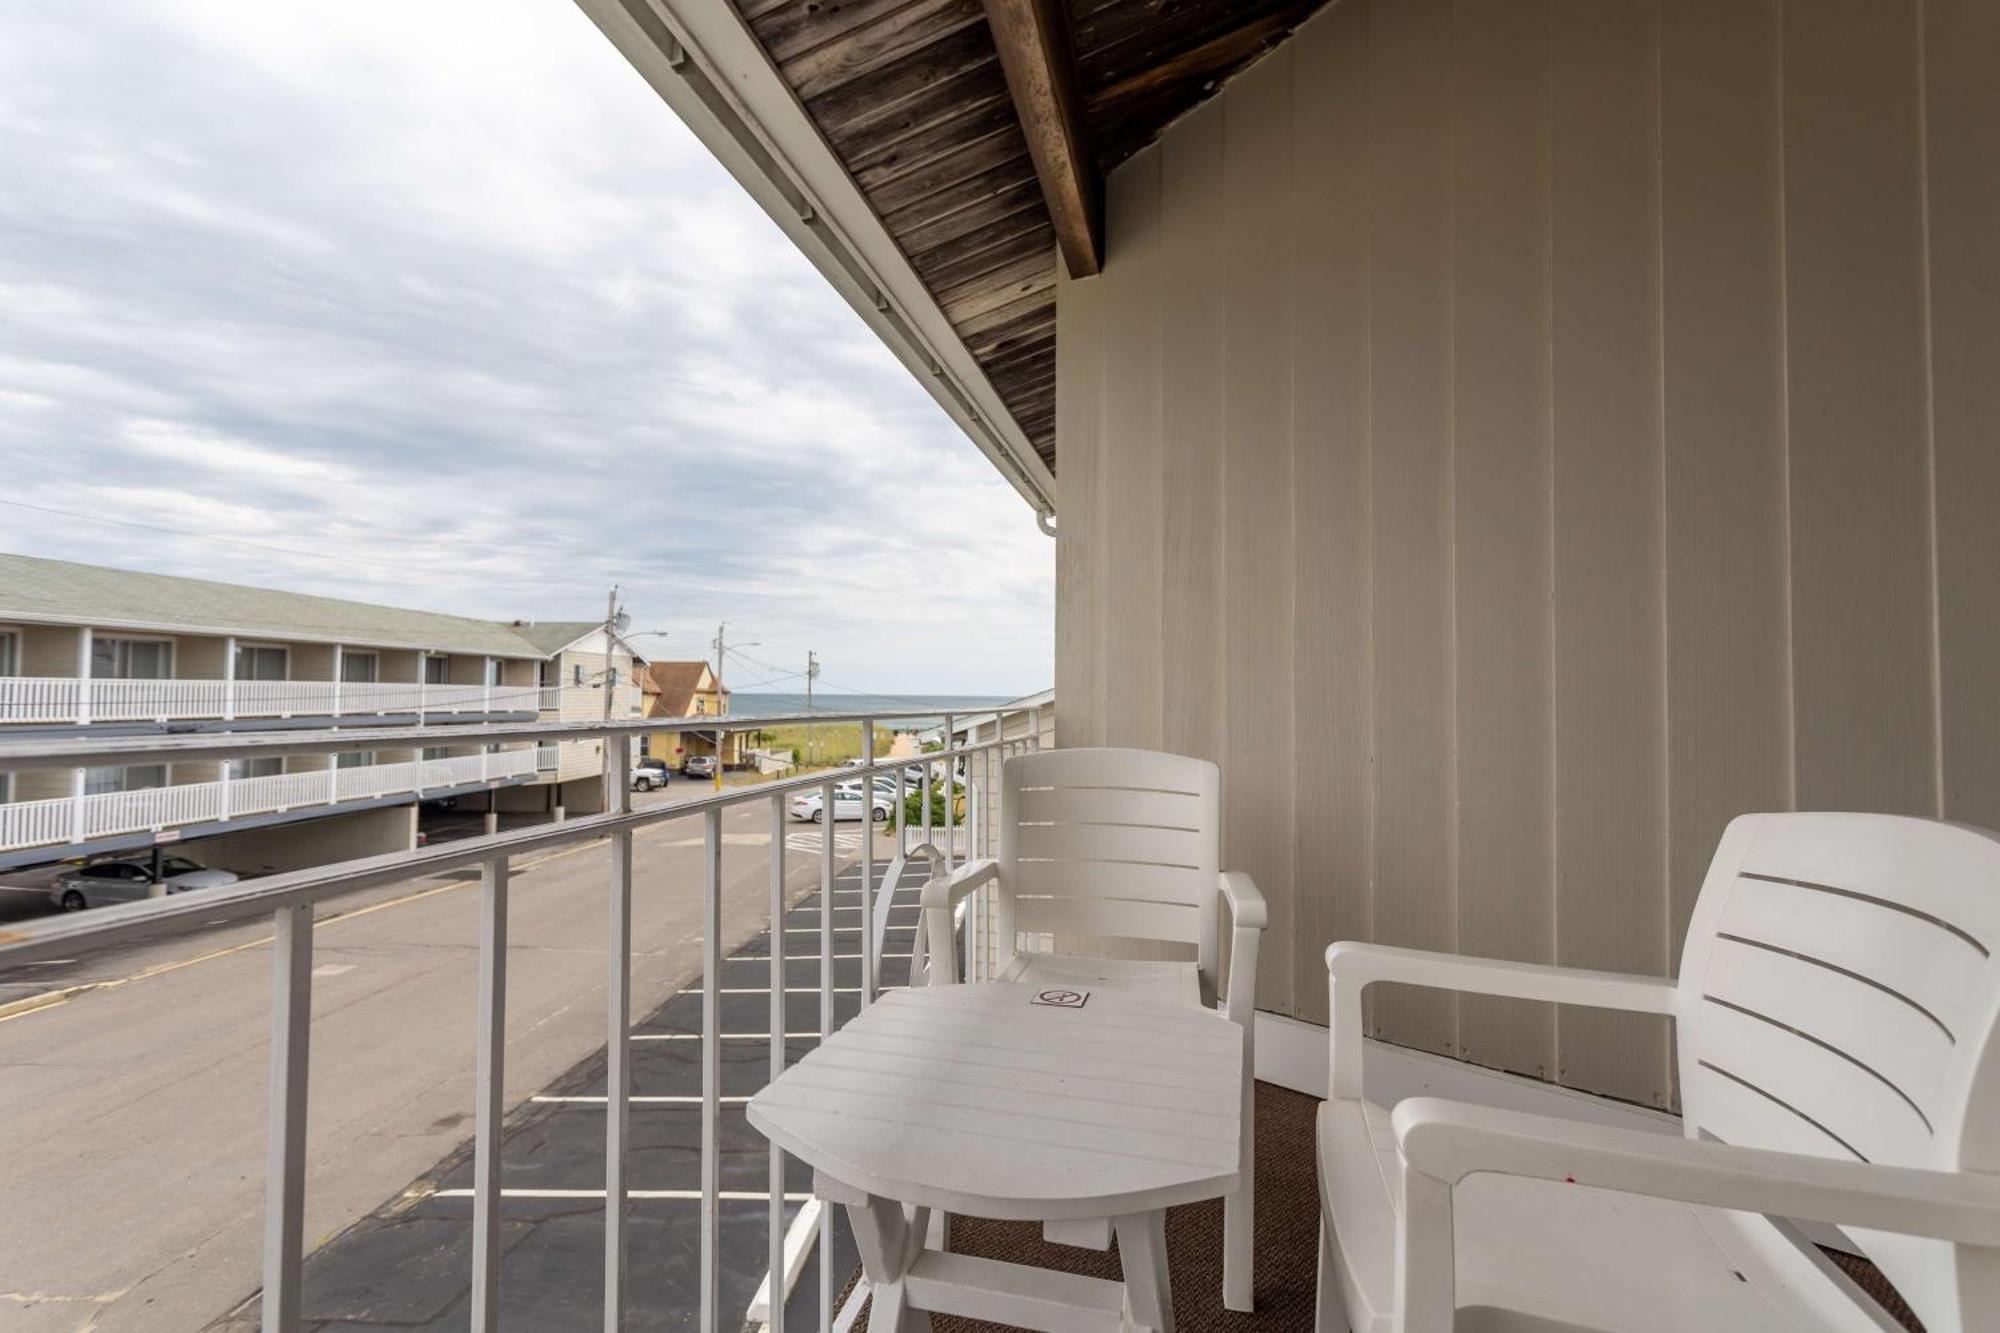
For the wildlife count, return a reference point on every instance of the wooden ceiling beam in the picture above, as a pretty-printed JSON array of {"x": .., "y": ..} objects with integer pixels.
[{"x": 1032, "y": 37}]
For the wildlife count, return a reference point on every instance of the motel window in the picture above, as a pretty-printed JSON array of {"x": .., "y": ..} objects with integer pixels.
[
  {"x": 10, "y": 654},
  {"x": 130, "y": 777},
  {"x": 435, "y": 751},
  {"x": 268, "y": 767},
  {"x": 354, "y": 759},
  {"x": 492, "y": 671},
  {"x": 437, "y": 670},
  {"x": 260, "y": 662},
  {"x": 360, "y": 668},
  {"x": 131, "y": 659}
]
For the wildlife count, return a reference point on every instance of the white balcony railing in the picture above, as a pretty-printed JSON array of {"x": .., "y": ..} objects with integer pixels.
[
  {"x": 66, "y": 819},
  {"x": 48, "y": 699},
  {"x": 288, "y": 901}
]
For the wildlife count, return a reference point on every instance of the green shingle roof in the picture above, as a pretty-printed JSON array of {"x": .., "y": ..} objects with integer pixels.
[
  {"x": 552, "y": 636},
  {"x": 57, "y": 590}
]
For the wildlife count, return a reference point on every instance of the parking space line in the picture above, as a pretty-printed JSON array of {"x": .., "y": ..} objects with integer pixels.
[{"x": 727, "y": 1196}]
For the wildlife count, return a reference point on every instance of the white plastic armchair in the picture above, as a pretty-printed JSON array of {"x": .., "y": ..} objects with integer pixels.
[
  {"x": 1834, "y": 1019},
  {"x": 1099, "y": 844}
]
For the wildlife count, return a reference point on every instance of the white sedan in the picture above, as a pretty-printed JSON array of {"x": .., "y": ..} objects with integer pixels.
[
  {"x": 130, "y": 880},
  {"x": 846, "y": 805}
]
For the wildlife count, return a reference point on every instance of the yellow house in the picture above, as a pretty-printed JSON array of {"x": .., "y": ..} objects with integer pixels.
[{"x": 680, "y": 690}]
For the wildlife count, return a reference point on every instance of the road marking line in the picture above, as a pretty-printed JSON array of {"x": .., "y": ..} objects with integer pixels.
[
  {"x": 765, "y": 959},
  {"x": 765, "y": 990},
  {"x": 691, "y": 1100},
  {"x": 727, "y": 1196},
  {"x": 724, "y": 1036}
]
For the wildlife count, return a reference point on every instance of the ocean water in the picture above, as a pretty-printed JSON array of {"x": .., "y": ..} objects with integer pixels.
[{"x": 925, "y": 710}]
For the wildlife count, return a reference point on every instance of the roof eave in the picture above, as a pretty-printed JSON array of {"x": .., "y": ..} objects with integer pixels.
[{"x": 15, "y": 617}]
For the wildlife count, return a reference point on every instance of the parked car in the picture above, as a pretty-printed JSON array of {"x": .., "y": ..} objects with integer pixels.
[
  {"x": 129, "y": 880},
  {"x": 847, "y": 805},
  {"x": 698, "y": 766},
  {"x": 648, "y": 774}
]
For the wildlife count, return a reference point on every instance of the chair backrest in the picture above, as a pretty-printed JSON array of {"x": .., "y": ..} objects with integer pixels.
[
  {"x": 1117, "y": 843},
  {"x": 1838, "y": 997}
]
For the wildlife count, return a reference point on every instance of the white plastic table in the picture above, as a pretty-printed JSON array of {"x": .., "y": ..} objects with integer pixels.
[{"x": 973, "y": 1099}]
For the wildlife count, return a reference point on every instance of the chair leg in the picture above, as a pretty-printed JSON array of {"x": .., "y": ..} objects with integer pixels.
[
  {"x": 1142, "y": 1255},
  {"x": 1329, "y": 1315},
  {"x": 1239, "y": 1219}
]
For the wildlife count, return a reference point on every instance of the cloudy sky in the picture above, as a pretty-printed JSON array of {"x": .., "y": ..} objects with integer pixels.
[{"x": 437, "y": 304}]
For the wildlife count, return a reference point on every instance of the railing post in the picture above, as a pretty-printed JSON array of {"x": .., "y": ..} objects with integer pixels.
[
  {"x": 488, "y": 1102},
  {"x": 285, "y": 1163},
  {"x": 229, "y": 678},
  {"x": 826, "y": 1288},
  {"x": 927, "y": 798},
  {"x": 339, "y": 659},
  {"x": 83, "y": 656},
  {"x": 618, "y": 1054},
  {"x": 77, "y": 820},
  {"x": 950, "y": 799},
  {"x": 775, "y": 1311},
  {"x": 868, "y": 960},
  {"x": 711, "y": 1073}
]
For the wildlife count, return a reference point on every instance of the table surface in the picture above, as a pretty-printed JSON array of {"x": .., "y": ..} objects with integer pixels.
[{"x": 972, "y": 1099}]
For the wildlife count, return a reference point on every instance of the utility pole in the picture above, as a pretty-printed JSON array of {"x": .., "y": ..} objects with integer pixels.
[
  {"x": 617, "y": 778},
  {"x": 721, "y": 699},
  {"x": 812, "y": 674}
]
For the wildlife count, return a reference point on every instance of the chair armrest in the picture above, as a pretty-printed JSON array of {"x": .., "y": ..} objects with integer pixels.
[
  {"x": 1449, "y": 1141},
  {"x": 1248, "y": 915},
  {"x": 1352, "y": 967},
  {"x": 947, "y": 891},
  {"x": 941, "y": 896},
  {"x": 1247, "y": 909}
]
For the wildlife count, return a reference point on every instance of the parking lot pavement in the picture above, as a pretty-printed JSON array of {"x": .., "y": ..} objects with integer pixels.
[{"x": 407, "y": 1265}]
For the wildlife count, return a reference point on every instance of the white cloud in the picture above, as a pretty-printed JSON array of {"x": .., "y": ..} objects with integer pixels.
[{"x": 439, "y": 304}]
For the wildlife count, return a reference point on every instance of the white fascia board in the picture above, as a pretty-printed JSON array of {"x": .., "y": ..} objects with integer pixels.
[{"x": 704, "y": 62}]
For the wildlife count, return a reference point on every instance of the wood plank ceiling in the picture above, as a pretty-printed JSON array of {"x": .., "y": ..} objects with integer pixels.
[{"x": 911, "y": 97}]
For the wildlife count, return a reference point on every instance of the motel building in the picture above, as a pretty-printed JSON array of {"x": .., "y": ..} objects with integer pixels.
[{"x": 86, "y": 649}]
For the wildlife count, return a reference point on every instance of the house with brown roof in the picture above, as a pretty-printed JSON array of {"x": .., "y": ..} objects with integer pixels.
[{"x": 683, "y": 690}]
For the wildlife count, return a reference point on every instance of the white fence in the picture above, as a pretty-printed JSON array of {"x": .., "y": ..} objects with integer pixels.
[
  {"x": 68, "y": 699},
  {"x": 151, "y": 809}
]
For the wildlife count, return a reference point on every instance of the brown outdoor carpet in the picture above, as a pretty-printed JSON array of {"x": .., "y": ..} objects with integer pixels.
[{"x": 1287, "y": 1241}]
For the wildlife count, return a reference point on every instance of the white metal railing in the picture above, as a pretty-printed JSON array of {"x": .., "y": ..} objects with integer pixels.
[
  {"x": 290, "y": 898},
  {"x": 48, "y": 699},
  {"x": 66, "y": 819}
]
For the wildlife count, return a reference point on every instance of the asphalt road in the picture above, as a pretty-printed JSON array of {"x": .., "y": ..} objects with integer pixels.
[{"x": 132, "y": 1103}]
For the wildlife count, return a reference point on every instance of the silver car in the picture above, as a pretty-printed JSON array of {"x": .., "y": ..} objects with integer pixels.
[{"x": 130, "y": 880}]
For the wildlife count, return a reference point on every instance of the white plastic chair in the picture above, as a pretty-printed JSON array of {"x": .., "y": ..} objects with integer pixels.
[
  {"x": 1835, "y": 1019},
  {"x": 1124, "y": 844}
]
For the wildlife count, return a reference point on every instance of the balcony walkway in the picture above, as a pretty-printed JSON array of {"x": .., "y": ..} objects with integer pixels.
[{"x": 408, "y": 1265}]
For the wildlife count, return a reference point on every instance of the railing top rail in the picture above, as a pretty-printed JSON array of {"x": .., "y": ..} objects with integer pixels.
[
  {"x": 63, "y": 936},
  {"x": 28, "y": 752}
]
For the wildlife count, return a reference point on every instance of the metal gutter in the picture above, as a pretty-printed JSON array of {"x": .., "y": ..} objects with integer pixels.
[{"x": 706, "y": 64}]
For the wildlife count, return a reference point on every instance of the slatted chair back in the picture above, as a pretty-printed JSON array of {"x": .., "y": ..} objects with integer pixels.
[
  {"x": 1110, "y": 843},
  {"x": 1839, "y": 993}
]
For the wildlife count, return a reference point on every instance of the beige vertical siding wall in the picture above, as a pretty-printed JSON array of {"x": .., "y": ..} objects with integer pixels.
[{"x": 1514, "y": 436}]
